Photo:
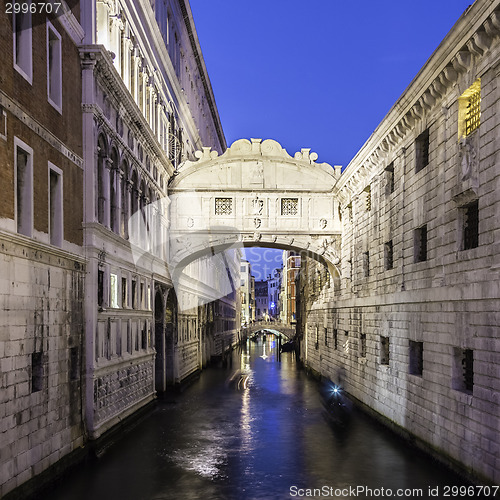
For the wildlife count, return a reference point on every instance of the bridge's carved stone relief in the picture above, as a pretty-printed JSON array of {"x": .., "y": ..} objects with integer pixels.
[{"x": 254, "y": 194}]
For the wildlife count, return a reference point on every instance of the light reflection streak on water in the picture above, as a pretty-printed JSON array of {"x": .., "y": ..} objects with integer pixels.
[{"x": 245, "y": 416}]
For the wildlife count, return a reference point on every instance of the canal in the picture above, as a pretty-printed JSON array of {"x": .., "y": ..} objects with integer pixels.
[{"x": 254, "y": 430}]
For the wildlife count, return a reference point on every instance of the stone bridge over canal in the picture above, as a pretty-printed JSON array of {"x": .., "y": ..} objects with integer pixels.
[{"x": 255, "y": 194}]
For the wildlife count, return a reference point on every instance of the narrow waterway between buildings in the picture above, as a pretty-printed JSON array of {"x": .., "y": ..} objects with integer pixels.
[{"x": 254, "y": 430}]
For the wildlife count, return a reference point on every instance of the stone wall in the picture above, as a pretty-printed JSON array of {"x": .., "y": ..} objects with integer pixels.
[
  {"x": 416, "y": 320},
  {"x": 41, "y": 349}
]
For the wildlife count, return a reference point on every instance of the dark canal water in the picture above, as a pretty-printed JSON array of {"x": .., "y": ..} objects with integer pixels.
[{"x": 262, "y": 436}]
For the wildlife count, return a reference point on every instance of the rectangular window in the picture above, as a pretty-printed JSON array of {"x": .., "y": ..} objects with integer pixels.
[
  {"x": 36, "y": 371},
  {"x": 54, "y": 67},
  {"x": 470, "y": 225},
  {"x": 420, "y": 244},
  {"x": 388, "y": 255},
  {"x": 335, "y": 338},
  {"x": 416, "y": 358},
  {"x": 366, "y": 264},
  {"x": 289, "y": 206},
  {"x": 368, "y": 197},
  {"x": 113, "y": 289},
  {"x": 55, "y": 206},
  {"x": 422, "y": 151},
  {"x": 134, "y": 294},
  {"x": 118, "y": 340},
  {"x": 100, "y": 288},
  {"x": 346, "y": 341},
  {"x": 469, "y": 110},
  {"x": 124, "y": 293},
  {"x": 223, "y": 206},
  {"x": 463, "y": 370},
  {"x": 24, "y": 187},
  {"x": 362, "y": 345},
  {"x": 389, "y": 179},
  {"x": 325, "y": 331},
  {"x": 384, "y": 350},
  {"x": 141, "y": 297},
  {"x": 22, "y": 32}
]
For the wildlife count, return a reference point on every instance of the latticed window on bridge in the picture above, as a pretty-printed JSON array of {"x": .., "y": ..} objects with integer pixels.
[
  {"x": 223, "y": 206},
  {"x": 289, "y": 206},
  {"x": 469, "y": 110}
]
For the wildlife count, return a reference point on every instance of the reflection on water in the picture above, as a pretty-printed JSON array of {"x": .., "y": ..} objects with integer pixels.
[{"x": 251, "y": 432}]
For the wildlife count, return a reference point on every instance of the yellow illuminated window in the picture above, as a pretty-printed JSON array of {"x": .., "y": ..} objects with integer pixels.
[{"x": 469, "y": 109}]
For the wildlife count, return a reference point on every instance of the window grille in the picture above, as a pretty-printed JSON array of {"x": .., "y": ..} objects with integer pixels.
[
  {"x": 384, "y": 350},
  {"x": 468, "y": 369},
  {"x": 368, "y": 199},
  {"x": 289, "y": 206},
  {"x": 223, "y": 206},
  {"x": 471, "y": 225},
  {"x": 470, "y": 109},
  {"x": 362, "y": 345},
  {"x": 366, "y": 264},
  {"x": 472, "y": 118}
]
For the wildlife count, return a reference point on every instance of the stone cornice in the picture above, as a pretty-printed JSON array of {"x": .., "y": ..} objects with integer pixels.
[
  {"x": 38, "y": 246},
  {"x": 71, "y": 25},
  {"x": 470, "y": 39}
]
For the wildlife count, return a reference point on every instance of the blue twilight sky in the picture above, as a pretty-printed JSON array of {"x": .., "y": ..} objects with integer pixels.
[{"x": 320, "y": 74}]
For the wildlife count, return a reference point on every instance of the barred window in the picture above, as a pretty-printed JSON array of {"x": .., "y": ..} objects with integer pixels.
[
  {"x": 463, "y": 370},
  {"x": 289, "y": 206},
  {"x": 384, "y": 350},
  {"x": 368, "y": 197},
  {"x": 223, "y": 206},
  {"x": 366, "y": 264},
  {"x": 470, "y": 217},
  {"x": 469, "y": 110},
  {"x": 362, "y": 345}
]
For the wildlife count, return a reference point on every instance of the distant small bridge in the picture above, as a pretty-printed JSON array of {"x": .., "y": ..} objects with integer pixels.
[{"x": 285, "y": 329}]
